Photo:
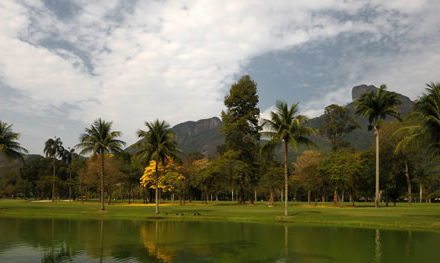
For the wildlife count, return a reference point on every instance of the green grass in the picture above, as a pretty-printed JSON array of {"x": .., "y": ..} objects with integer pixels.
[{"x": 417, "y": 216}]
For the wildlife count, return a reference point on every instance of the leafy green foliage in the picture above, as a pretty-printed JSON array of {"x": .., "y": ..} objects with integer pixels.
[
  {"x": 98, "y": 140},
  {"x": 241, "y": 131},
  {"x": 9, "y": 144},
  {"x": 376, "y": 106},
  {"x": 337, "y": 123}
]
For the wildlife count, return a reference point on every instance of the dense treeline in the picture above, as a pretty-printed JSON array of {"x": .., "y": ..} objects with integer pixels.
[{"x": 255, "y": 162}]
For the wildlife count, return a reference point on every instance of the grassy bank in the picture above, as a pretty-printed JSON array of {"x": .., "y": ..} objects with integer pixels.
[{"x": 417, "y": 216}]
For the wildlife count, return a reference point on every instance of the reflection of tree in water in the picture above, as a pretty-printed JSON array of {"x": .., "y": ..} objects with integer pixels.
[
  {"x": 378, "y": 247},
  {"x": 151, "y": 238},
  {"x": 195, "y": 242},
  {"x": 62, "y": 253}
]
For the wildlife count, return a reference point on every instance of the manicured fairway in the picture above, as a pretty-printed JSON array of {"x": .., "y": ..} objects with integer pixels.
[{"x": 417, "y": 216}]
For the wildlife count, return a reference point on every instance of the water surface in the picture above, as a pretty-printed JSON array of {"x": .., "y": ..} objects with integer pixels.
[{"x": 56, "y": 240}]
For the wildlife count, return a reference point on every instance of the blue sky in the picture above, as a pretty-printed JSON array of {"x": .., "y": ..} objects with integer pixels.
[{"x": 65, "y": 63}]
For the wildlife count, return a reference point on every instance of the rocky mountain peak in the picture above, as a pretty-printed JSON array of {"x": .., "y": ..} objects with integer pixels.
[
  {"x": 190, "y": 128},
  {"x": 357, "y": 91}
]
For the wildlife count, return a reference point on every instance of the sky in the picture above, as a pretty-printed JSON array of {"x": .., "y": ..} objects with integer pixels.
[{"x": 65, "y": 63}]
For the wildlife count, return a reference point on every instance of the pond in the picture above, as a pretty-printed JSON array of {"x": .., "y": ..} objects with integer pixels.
[{"x": 56, "y": 240}]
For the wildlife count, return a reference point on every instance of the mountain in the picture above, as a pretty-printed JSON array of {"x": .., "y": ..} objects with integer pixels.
[
  {"x": 361, "y": 137},
  {"x": 7, "y": 165},
  {"x": 196, "y": 136},
  {"x": 199, "y": 136},
  {"x": 204, "y": 135}
]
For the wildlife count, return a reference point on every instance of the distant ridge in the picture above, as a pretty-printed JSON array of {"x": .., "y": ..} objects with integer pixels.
[
  {"x": 204, "y": 135},
  {"x": 360, "y": 138},
  {"x": 199, "y": 136}
]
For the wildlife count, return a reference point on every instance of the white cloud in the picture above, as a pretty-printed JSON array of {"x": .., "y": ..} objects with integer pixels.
[{"x": 166, "y": 59}]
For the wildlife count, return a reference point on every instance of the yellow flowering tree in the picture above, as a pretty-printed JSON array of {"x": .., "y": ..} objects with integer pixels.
[{"x": 171, "y": 180}]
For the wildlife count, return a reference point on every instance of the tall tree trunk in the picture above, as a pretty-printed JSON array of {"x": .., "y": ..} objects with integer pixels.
[
  {"x": 70, "y": 182},
  {"x": 53, "y": 179},
  {"x": 286, "y": 174},
  {"x": 377, "y": 198},
  {"x": 408, "y": 182},
  {"x": 335, "y": 197},
  {"x": 309, "y": 194},
  {"x": 271, "y": 197},
  {"x": 157, "y": 188},
  {"x": 102, "y": 182},
  {"x": 421, "y": 192},
  {"x": 232, "y": 195},
  {"x": 81, "y": 190}
]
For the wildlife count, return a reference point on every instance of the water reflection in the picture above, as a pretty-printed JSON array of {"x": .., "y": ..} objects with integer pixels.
[
  {"x": 24, "y": 240},
  {"x": 378, "y": 251}
]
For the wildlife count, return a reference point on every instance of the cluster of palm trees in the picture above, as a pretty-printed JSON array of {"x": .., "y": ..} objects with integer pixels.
[
  {"x": 157, "y": 143},
  {"x": 53, "y": 148},
  {"x": 290, "y": 128}
]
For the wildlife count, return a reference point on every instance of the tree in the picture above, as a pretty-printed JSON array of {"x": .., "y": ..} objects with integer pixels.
[
  {"x": 241, "y": 130},
  {"x": 171, "y": 180},
  {"x": 307, "y": 172},
  {"x": 337, "y": 123},
  {"x": 9, "y": 144},
  {"x": 427, "y": 131},
  {"x": 270, "y": 170},
  {"x": 100, "y": 139},
  {"x": 341, "y": 167},
  {"x": 290, "y": 128},
  {"x": 158, "y": 143},
  {"x": 405, "y": 156},
  {"x": 67, "y": 157},
  {"x": 53, "y": 148},
  {"x": 376, "y": 106},
  {"x": 113, "y": 174}
]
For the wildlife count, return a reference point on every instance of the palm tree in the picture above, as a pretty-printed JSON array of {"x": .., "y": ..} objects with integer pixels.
[
  {"x": 98, "y": 140},
  {"x": 423, "y": 133},
  {"x": 53, "y": 148},
  {"x": 158, "y": 143},
  {"x": 429, "y": 108},
  {"x": 67, "y": 157},
  {"x": 287, "y": 126},
  {"x": 9, "y": 144},
  {"x": 376, "y": 106}
]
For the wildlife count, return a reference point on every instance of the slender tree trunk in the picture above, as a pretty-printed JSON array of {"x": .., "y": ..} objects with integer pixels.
[
  {"x": 286, "y": 174},
  {"x": 255, "y": 195},
  {"x": 53, "y": 179},
  {"x": 70, "y": 182},
  {"x": 309, "y": 194},
  {"x": 232, "y": 194},
  {"x": 408, "y": 182},
  {"x": 421, "y": 192},
  {"x": 377, "y": 198},
  {"x": 157, "y": 188},
  {"x": 271, "y": 197},
  {"x": 102, "y": 182},
  {"x": 335, "y": 197}
]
